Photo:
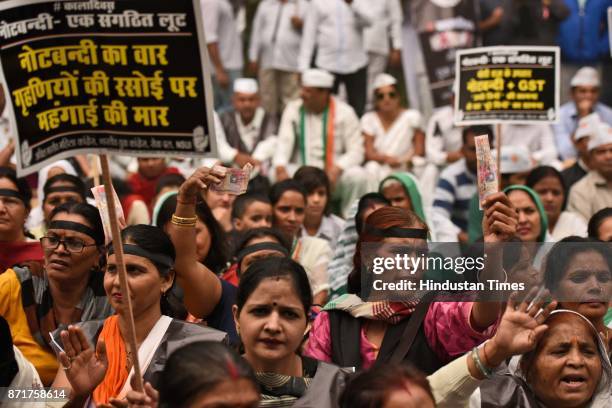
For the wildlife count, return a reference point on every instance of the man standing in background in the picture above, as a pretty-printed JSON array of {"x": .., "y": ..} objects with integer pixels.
[
  {"x": 224, "y": 49},
  {"x": 274, "y": 50},
  {"x": 383, "y": 40},
  {"x": 335, "y": 29}
]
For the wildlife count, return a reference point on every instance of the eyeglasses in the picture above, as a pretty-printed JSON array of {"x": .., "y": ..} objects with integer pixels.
[
  {"x": 74, "y": 246},
  {"x": 380, "y": 96}
]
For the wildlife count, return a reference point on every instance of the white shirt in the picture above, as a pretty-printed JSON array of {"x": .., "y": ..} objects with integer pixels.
[
  {"x": 220, "y": 27},
  {"x": 569, "y": 223},
  {"x": 386, "y": 16},
  {"x": 335, "y": 29},
  {"x": 225, "y": 152},
  {"x": 538, "y": 138},
  {"x": 442, "y": 136},
  {"x": 275, "y": 44},
  {"x": 348, "y": 139}
]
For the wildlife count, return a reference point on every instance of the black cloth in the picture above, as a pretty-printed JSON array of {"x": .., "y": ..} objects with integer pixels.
[
  {"x": 8, "y": 364},
  {"x": 356, "y": 84},
  {"x": 221, "y": 317},
  {"x": 345, "y": 331},
  {"x": 573, "y": 174},
  {"x": 269, "y": 127},
  {"x": 523, "y": 22}
]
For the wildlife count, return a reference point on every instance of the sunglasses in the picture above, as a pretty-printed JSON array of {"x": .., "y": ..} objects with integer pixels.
[{"x": 380, "y": 96}]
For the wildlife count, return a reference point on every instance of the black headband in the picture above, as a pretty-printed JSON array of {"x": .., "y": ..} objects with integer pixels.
[
  {"x": 75, "y": 226},
  {"x": 6, "y": 192},
  {"x": 63, "y": 189},
  {"x": 163, "y": 262},
  {"x": 272, "y": 246},
  {"x": 396, "y": 232}
]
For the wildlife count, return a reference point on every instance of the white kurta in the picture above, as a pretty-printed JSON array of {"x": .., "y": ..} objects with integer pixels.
[
  {"x": 348, "y": 146},
  {"x": 568, "y": 224}
]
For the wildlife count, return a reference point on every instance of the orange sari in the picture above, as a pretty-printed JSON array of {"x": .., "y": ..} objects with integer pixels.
[{"x": 116, "y": 373}]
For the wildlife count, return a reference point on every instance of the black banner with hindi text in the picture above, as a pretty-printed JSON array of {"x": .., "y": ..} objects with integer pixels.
[{"x": 124, "y": 76}]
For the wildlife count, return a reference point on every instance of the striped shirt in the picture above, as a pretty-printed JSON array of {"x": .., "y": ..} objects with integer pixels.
[{"x": 456, "y": 186}]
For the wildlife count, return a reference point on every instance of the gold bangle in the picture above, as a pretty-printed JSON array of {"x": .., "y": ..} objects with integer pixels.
[{"x": 184, "y": 222}]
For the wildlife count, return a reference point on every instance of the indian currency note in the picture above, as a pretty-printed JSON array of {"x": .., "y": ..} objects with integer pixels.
[
  {"x": 487, "y": 169},
  {"x": 235, "y": 181},
  {"x": 102, "y": 205}
]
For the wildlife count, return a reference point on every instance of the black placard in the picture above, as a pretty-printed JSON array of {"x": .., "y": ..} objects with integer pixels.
[
  {"x": 125, "y": 76},
  {"x": 507, "y": 84}
]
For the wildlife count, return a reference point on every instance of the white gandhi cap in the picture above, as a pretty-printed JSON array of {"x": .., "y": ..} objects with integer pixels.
[
  {"x": 245, "y": 86},
  {"x": 515, "y": 159},
  {"x": 603, "y": 136},
  {"x": 317, "y": 78},
  {"x": 586, "y": 76},
  {"x": 587, "y": 126},
  {"x": 384, "y": 80}
]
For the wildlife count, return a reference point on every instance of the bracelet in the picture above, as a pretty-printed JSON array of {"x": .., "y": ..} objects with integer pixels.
[
  {"x": 487, "y": 372},
  {"x": 184, "y": 222}
]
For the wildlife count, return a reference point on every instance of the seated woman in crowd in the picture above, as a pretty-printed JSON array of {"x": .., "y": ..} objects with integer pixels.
[
  {"x": 201, "y": 375},
  {"x": 271, "y": 314},
  {"x": 600, "y": 225},
  {"x": 288, "y": 200},
  {"x": 394, "y": 138},
  {"x": 532, "y": 227},
  {"x": 256, "y": 244},
  {"x": 549, "y": 184},
  {"x": 103, "y": 374},
  {"x": 395, "y": 385},
  {"x": 199, "y": 240},
  {"x": 68, "y": 290},
  {"x": 318, "y": 220},
  {"x": 567, "y": 366},
  {"x": 58, "y": 189},
  {"x": 578, "y": 273},
  {"x": 355, "y": 332},
  {"x": 342, "y": 261},
  {"x": 402, "y": 190},
  {"x": 16, "y": 245}
]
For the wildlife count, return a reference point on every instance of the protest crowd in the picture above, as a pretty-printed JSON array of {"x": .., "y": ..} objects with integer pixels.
[{"x": 261, "y": 298}]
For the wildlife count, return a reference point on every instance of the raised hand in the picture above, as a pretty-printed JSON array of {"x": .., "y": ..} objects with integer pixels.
[
  {"x": 500, "y": 219},
  {"x": 134, "y": 399},
  {"x": 200, "y": 180},
  {"x": 84, "y": 367},
  {"x": 521, "y": 327}
]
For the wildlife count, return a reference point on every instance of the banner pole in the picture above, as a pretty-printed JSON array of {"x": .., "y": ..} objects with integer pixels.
[
  {"x": 126, "y": 312},
  {"x": 499, "y": 143}
]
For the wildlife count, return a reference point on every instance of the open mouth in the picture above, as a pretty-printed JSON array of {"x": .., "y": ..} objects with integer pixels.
[{"x": 573, "y": 381}]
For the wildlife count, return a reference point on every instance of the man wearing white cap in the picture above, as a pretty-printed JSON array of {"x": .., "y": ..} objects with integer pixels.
[
  {"x": 335, "y": 29},
  {"x": 274, "y": 49},
  {"x": 587, "y": 126},
  {"x": 248, "y": 127},
  {"x": 594, "y": 191},
  {"x": 322, "y": 131},
  {"x": 585, "y": 95},
  {"x": 394, "y": 138},
  {"x": 537, "y": 137}
]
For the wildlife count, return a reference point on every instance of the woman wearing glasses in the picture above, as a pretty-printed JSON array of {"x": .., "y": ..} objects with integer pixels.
[
  {"x": 393, "y": 136},
  {"x": 68, "y": 290}
]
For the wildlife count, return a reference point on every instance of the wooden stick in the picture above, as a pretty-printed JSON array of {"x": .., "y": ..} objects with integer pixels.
[
  {"x": 499, "y": 143},
  {"x": 127, "y": 313}
]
